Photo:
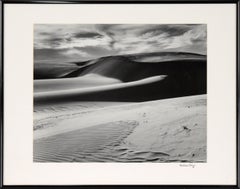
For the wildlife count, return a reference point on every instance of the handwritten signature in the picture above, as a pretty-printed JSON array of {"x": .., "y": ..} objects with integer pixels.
[{"x": 188, "y": 165}]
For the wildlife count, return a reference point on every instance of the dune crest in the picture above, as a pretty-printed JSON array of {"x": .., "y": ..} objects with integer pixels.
[
  {"x": 76, "y": 92},
  {"x": 60, "y": 84}
]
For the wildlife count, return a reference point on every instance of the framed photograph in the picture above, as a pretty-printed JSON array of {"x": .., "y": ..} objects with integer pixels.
[{"x": 120, "y": 93}]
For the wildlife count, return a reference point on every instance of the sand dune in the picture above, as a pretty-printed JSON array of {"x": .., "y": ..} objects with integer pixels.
[
  {"x": 60, "y": 84},
  {"x": 64, "y": 95},
  {"x": 125, "y": 69},
  {"x": 127, "y": 108},
  {"x": 120, "y": 67},
  {"x": 164, "y": 56},
  {"x": 119, "y": 78},
  {"x": 53, "y": 70},
  {"x": 172, "y": 130}
]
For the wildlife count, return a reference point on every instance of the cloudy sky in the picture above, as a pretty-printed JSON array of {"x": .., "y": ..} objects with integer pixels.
[{"x": 78, "y": 42}]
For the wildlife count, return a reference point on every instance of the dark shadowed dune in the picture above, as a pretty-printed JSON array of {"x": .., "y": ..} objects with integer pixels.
[
  {"x": 53, "y": 70},
  {"x": 163, "y": 56},
  {"x": 170, "y": 87},
  {"x": 58, "y": 70},
  {"x": 74, "y": 69},
  {"x": 124, "y": 69},
  {"x": 184, "y": 74},
  {"x": 139, "y": 66}
]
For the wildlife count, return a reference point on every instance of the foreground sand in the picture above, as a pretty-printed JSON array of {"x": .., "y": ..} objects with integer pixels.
[{"x": 170, "y": 130}]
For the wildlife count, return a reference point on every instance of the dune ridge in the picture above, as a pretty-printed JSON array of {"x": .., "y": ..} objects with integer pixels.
[
  {"x": 125, "y": 69},
  {"x": 71, "y": 93},
  {"x": 74, "y": 69},
  {"x": 179, "y": 77},
  {"x": 49, "y": 70},
  {"x": 60, "y": 84}
]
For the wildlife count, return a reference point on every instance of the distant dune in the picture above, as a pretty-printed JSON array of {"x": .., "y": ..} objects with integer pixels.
[
  {"x": 53, "y": 70},
  {"x": 164, "y": 56},
  {"x": 119, "y": 78}
]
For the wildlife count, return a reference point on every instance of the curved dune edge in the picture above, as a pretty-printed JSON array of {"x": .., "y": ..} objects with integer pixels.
[
  {"x": 125, "y": 69},
  {"x": 87, "y": 90},
  {"x": 89, "y": 80},
  {"x": 172, "y": 130}
]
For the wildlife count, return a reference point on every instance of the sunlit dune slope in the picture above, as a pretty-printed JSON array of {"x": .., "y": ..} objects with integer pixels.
[
  {"x": 89, "y": 80},
  {"x": 82, "y": 93}
]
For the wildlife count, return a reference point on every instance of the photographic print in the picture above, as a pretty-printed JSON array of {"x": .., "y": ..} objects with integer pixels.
[{"x": 120, "y": 93}]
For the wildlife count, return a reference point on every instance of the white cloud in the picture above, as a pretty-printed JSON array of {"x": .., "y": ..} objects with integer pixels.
[{"x": 74, "y": 51}]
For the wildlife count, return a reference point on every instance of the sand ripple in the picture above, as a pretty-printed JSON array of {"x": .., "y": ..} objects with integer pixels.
[
  {"x": 101, "y": 143},
  {"x": 88, "y": 144}
]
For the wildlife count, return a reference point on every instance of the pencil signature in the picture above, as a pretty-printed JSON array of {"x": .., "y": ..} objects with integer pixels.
[{"x": 187, "y": 165}]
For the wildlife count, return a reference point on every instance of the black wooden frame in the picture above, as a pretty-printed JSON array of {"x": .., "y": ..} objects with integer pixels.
[{"x": 3, "y": 2}]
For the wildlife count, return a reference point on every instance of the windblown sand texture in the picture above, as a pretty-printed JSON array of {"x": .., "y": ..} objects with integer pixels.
[{"x": 134, "y": 108}]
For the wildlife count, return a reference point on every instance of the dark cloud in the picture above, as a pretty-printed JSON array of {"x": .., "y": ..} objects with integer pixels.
[
  {"x": 107, "y": 29},
  {"x": 175, "y": 31},
  {"x": 55, "y": 55},
  {"x": 87, "y": 35},
  {"x": 57, "y": 39},
  {"x": 68, "y": 39},
  {"x": 198, "y": 40},
  {"x": 199, "y": 48},
  {"x": 47, "y": 54},
  {"x": 170, "y": 30},
  {"x": 113, "y": 40},
  {"x": 97, "y": 51},
  {"x": 44, "y": 33},
  {"x": 53, "y": 42}
]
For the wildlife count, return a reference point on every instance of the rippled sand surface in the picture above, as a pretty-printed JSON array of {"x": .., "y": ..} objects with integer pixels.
[{"x": 170, "y": 130}]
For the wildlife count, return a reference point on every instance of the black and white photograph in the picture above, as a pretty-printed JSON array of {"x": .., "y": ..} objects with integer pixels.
[{"x": 120, "y": 93}]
